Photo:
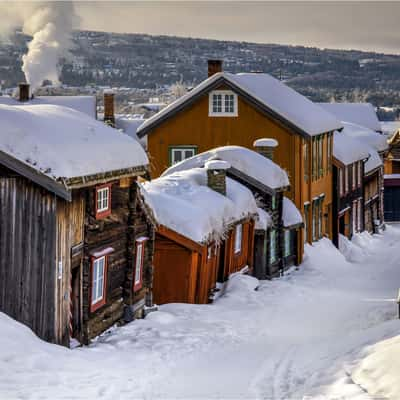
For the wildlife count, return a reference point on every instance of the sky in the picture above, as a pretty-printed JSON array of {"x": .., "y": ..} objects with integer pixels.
[{"x": 342, "y": 24}]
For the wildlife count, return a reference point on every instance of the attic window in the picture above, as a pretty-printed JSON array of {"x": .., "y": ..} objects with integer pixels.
[
  {"x": 103, "y": 201},
  {"x": 223, "y": 103},
  {"x": 99, "y": 268},
  {"x": 238, "y": 238}
]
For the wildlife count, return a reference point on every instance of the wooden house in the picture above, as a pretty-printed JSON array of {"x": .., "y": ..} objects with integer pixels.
[
  {"x": 76, "y": 242},
  {"x": 237, "y": 109},
  {"x": 275, "y": 246},
  {"x": 205, "y": 232},
  {"x": 349, "y": 156},
  {"x": 392, "y": 179}
]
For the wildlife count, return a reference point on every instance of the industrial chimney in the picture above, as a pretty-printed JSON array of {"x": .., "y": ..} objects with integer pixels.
[
  {"x": 24, "y": 92},
  {"x": 109, "y": 116},
  {"x": 216, "y": 175},
  {"x": 214, "y": 66},
  {"x": 266, "y": 147}
]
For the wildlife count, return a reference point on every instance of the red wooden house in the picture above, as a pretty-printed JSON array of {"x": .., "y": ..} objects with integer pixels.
[{"x": 205, "y": 232}]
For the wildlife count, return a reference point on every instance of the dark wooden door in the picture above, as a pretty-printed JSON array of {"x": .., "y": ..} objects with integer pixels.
[
  {"x": 342, "y": 225},
  {"x": 221, "y": 263},
  {"x": 76, "y": 303}
]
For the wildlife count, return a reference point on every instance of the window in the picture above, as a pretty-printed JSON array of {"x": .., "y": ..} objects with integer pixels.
[
  {"x": 139, "y": 261},
  {"x": 354, "y": 176},
  {"x": 341, "y": 182},
  {"x": 359, "y": 211},
  {"x": 103, "y": 201},
  {"x": 354, "y": 217},
  {"x": 346, "y": 179},
  {"x": 320, "y": 218},
  {"x": 223, "y": 103},
  {"x": 287, "y": 244},
  {"x": 329, "y": 152},
  {"x": 273, "y": 203},
  {"x": 320, "y": 155},
  {"x": 238, "y": 238},
  {"x": 98, "y": 297},
  {"x": 305, "y": 161},
  {"x": 209, "y": 252},
  {"x": 181, "y": 153},
  {"x": 272, "y": 247},
  {"x": 306, "y": 221},
  {"x": 360, "y": 168}
]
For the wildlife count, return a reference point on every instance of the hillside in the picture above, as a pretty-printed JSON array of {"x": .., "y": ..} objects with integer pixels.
[{"x": 144, "y": 61}]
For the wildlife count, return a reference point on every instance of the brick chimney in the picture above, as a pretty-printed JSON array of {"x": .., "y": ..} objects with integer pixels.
[
  {"x": 214, "y": 66},
  {"x": 109, "y": 116},
  {"x": 266, "y": 147},
  {"x": 23, "y": 92},
  {"x": 216, "y": 175}
]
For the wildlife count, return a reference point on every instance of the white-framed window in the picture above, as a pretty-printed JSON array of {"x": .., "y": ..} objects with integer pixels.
[
  {"x": 181, "y": 153},
  {"x": 272, "y": 246},
  {"x": 354, "y": 175},
  {"x": 138, "y": 263},
  {"x": 209, "y": 252},
  {"x": 102, "y": 199},
  {"x": 98, "y": 276},
  {"x": 223, "y": 103},
  {"x": 359, "y": 215},
  {"x": 287, "y": 243},
  {"x": 238, "y": 238}
]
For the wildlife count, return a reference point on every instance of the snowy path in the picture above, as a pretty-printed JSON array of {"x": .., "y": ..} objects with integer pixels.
[{"x": 293, "y": 337}]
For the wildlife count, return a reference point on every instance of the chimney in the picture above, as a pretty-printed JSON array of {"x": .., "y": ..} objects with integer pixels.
[
  {"x": 216, "y": 175},
  {"x": 214, "y": 66},
  {"x": 109, "y": 117},
  {"x": 266, "y": 147},
  {"x": 24, "y": 92}
]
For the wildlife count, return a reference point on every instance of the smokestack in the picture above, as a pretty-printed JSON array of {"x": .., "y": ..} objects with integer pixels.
[
  {"x": 214, "y": 66},
  {"x": 216, "y": 175},
  {"x": 23, "y": 92},
  {"x": 266, "y": 147},
  {"x": 109, "y": 116}
]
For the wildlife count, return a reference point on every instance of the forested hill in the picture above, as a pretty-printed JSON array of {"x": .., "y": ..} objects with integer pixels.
[{"x": 144, "y": 61}]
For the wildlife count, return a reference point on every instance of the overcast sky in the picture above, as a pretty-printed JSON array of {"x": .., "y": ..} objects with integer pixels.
[{"x": 362, "y": 25}]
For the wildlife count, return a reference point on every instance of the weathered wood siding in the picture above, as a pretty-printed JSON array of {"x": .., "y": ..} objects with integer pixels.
[
  {"x": 70, "y": 227},
  {"x": 28, "y": 254}
]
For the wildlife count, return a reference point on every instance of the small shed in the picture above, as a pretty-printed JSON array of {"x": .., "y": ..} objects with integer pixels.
[{"x": 205, "y": 232}]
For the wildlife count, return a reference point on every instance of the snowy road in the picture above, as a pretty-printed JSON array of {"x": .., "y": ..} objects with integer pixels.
[{"x": 293, "y": 337}]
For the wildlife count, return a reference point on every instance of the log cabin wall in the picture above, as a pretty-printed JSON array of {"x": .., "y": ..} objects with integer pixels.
[
  {"x": 118, "y": 231},
  {"x": 70, "y": 228},
  {"x": 28, "y": 254}
]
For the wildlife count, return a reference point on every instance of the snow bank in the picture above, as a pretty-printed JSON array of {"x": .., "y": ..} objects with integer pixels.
[
  {"x": 290, "y": 214},
  {"x": 183, "y": 202},
  {"x": 357, "y": 113},
  {"x": 84, "y": 104},
  {"x": 374, "y": 161},
  {"x": 271, "y": 92},
  {"x": 64, "y": 143},
  {"x": 266, "y": 142},
  {"x": 246, "y": 161},
  {"x": 379, "y": 373},
  {"x": 347, "y": 149}
]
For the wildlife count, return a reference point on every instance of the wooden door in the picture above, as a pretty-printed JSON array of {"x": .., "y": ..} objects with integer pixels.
[{"x": 76, "y": 304}]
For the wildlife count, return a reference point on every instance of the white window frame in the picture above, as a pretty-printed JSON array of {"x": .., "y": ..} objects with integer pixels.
[
  {"x": 238, "y": 238},
  {"x": 223, "y": 113},
  {"x": 103, "y": 197},
  {"x": 181, "y": 149},
  {"x": 138, "y": 263},
  {"x": 98, "y": 280}
]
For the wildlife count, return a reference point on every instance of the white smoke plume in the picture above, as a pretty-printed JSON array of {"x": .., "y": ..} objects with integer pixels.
[{"x": 51, "y": 25}]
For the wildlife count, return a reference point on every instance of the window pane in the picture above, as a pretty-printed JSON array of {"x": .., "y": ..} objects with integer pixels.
[
  {"x": 229, "y": 103},
  {"x": 176, "y": 156},
  {"x": 217, "y": 103},
  {"x": 189, "y": 153}
]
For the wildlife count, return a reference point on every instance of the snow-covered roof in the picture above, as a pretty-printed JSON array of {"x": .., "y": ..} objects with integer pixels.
[
  {"x": 263, "y": 221},
  {"x": 63, "y": 143},
  {"x": 274, "y": 95},
  {"x": 365, "y": 135},
  {"x": 242, "y": 159},
  {"x": 357, "y": 113},
  {"x": 348, "y": 150},
  {"x": 374, "y": 161},
  {"x": 389, "y": 128},
  {"x": 185, "y": 204},
  {"x": 84, "y": 104},
  {"x": 290, "y": 214}
]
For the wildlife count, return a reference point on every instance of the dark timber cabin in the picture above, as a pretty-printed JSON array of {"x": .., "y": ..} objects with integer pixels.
[
  {"x": 76, "y": 241},
  {"x": 275, "y": 243},
  {"x": 205, "y": 232}
]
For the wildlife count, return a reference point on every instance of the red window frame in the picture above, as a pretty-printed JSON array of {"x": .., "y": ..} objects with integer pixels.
[
  {"x": 101, "y": 302},
  {"x": 139, "y": 242},
  {"x": 105, "y": 213}
]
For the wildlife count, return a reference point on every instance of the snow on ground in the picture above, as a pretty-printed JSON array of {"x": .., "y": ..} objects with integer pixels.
[{"x": 300, "y": 335}]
